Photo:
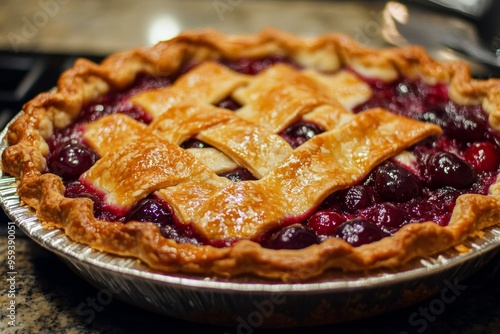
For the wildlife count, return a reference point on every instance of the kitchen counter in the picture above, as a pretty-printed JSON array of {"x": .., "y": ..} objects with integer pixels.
[
  {"x": 102, "y": 27},
  {"x": 50, "y": 298}
]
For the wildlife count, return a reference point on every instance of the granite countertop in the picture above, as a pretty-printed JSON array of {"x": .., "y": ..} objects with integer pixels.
[
  {"x": 103, "y": 27},
  {"x": 49, "y": 297}
]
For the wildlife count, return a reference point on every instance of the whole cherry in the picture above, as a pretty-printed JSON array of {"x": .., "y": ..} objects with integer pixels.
[
  {"x": 71, "y": 161},
  {"x": 483, "y": 156},
  {"x": 359, "y": 232},
  {"x": 300, "y": 132},
  {"x": 325, "y": 222},
  {"x": 394, "y": 183},
  {"x": 447, "y": 169},
  {"x": 294, "y": 236},
  {"x": 355, "y": 198},
  {"x": 150, "y": 210},
  {"x": 386, "y": 214}
]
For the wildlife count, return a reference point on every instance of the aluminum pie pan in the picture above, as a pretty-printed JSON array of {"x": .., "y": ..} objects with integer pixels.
[{"x": 250, "y": 302}]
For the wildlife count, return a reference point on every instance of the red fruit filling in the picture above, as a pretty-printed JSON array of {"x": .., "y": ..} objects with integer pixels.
[
  {"x": 465, "y": 159},
  {"x": 300, "y": 132},
  {"x": 483, "y": 156}
]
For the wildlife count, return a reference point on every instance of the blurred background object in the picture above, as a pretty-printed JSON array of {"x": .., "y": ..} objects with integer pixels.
[
  {"x": 472, "y": 8},
  {"x": 464, "y": 29}
]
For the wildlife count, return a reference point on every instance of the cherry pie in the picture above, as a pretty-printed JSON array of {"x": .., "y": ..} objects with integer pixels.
[{"x": 270, "y": 155}]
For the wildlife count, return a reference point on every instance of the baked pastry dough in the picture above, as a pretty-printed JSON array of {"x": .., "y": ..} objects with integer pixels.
[{"x": 220, "y": 227}]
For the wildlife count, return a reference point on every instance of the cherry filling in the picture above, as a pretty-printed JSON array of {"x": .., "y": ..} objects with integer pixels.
[
  {"x": 71, "y": 159},
  {"x": 156, "y": 211},
  {"x": 255, "y": 66},
  {"x": 238, "y": 174},
  {"x": 119, "y": 101},
  {"x": 300, "y": 132},
  {"x": 465, "y": 159},
  {"x": 194, "y": 143},
  {"x": 229, "y": 103},
  {"x": 483, "y": 156},
  {"x": 69, "y": 156}
]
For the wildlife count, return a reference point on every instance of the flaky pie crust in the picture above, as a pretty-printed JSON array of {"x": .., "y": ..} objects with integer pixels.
[{"x": 43, "y": 192}]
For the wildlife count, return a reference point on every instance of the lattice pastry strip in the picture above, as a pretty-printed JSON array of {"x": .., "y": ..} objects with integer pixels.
[
  {"x": 148, "y": 161},
  {"x": 329, "y": 117},
  {"x": 280, "y": 96},
  {"x": 262, "y": 94},
  {"x": 330, "y": 161},
  {"x": 183, "y": 121},
  {"x": 325, "y": 99},
  {"x": 345, "y": 86},
  {"x": 187, "y": 198},
  {"x": 207, "y": 82},
  {"x": 106, "y": 134},
  {"x": 214, "y": 159},
  {"x": 250, "y": 145},
  {"x": 317, "y": 168},
  {"x": 274, "y": 84}
]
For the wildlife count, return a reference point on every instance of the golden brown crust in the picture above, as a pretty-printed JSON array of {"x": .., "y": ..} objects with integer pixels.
[{"x": 24, "y": 158}]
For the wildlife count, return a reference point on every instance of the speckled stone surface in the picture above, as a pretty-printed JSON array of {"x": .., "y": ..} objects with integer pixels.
[
  {"x": 94, "y": 26},
  {"x": 99, "y": 27},
  {"x": 50, "y": 298}
]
